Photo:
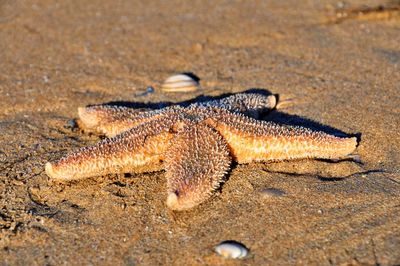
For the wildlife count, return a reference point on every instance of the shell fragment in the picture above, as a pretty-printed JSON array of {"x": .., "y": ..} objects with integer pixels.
[{"x": 231, "y": 250}]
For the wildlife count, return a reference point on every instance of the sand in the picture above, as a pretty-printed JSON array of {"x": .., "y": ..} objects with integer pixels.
[{"x": 338, "y": 63}]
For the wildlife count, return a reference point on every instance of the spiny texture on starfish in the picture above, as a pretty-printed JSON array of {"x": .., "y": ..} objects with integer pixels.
[{"x": 194, "y": 144}]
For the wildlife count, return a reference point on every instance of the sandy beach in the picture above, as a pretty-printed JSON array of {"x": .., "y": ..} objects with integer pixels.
[{"x": 338, "y": 62}]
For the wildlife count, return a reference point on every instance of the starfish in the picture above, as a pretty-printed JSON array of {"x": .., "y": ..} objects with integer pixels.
[{"x": 195, "y": 144}]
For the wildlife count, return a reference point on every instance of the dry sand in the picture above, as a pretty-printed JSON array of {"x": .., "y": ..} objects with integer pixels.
[{"x": 342, "y": 69}]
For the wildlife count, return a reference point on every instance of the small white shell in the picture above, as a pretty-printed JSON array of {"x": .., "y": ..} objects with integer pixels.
[
  {"x": 180, "y": 83},
  {"x": 231, "y": 250}
]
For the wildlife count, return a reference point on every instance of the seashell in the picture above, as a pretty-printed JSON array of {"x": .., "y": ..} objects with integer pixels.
[
  {"x": 181, "y": 83},
  {"x": 231, "y": 250},
  {"x": 272, "y": 192}
]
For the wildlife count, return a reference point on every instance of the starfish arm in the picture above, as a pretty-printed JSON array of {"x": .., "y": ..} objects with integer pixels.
[
  {"x": 250, "y": 104},
  {"x": 113, "y": 120},
  {"x": 195, "y": 164},
  {"x": 253, "y": 140},
  {"x": 141, "y": 149}
]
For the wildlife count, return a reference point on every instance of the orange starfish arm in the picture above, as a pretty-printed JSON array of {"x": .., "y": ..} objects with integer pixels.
[
  {"x": 251, "y": 104},
  {"x": 113, "y": 120},
  {"x": 253, "y": 140},
  {"x": 195, "y": 164},
  {"x": 141, "y": 149}
]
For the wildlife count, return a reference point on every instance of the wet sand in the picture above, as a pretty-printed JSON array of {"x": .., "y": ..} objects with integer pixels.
[{"x": 342, "y": 72}]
